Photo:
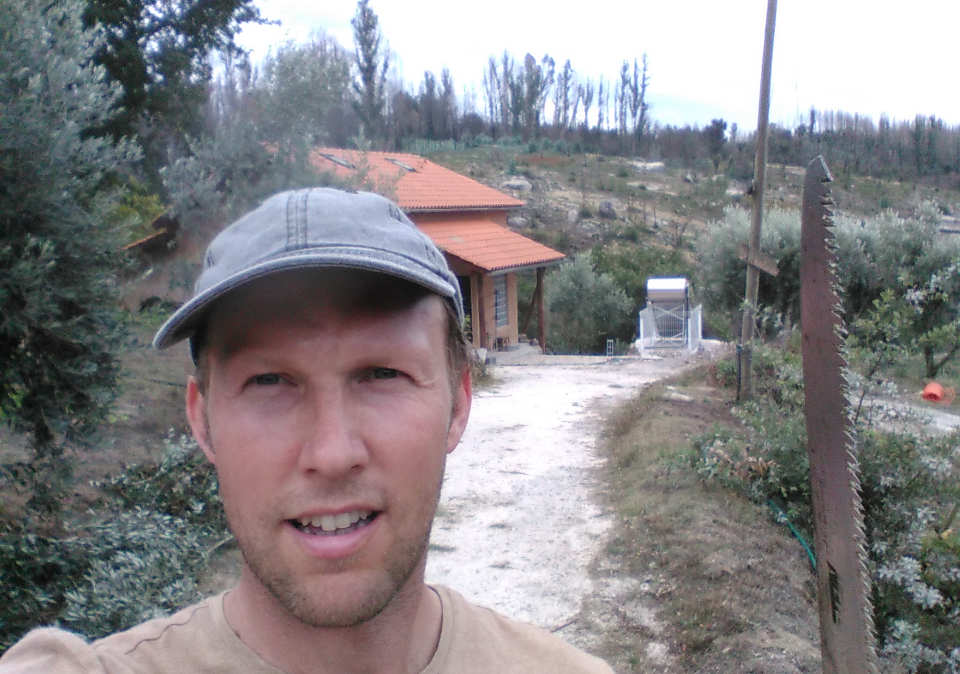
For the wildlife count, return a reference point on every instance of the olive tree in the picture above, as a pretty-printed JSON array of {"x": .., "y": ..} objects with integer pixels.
[
  {"x": 59, "y": 325},
  {"x": 586, "y": 307},
  {"x": 904, "y": 261}
]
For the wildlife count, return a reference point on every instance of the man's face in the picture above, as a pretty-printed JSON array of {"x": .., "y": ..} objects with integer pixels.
[{"x": 329, "y": 425}]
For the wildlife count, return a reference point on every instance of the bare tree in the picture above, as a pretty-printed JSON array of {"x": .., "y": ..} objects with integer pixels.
[
  {"x": 602, "y": 102},
  {"x": 548, "y": 68},
  {"x": 506, "y": 92},
  {"x": 537, "y": 79},
  {"x": 562, "y": 96},
  {"x": 491, "y": 89},
  {"x": 638, "y": 101},
  {"x": 623, "y": 98},
  {"x": 448, "y": 106},
  {"x": 586, "y": 95},
  {"x": 429, "y": 108},
  {"x": 517, "y": 107},
  {"x": 575, "y": 107}
]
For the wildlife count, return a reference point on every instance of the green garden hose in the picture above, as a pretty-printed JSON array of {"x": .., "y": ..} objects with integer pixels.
[{"x": 782, "y": 516}]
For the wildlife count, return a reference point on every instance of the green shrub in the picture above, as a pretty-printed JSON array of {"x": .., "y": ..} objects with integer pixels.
[
  {"x": 138, "y": 558},
  {"x": 586, "y": 308},
  {"x": 140, "y": 564},
  {"x": 887, "y": 253},
  {"x": 183, "y": 485},
  {"x": 61, "y": 330},
  {"x": 909, "y": 489}
]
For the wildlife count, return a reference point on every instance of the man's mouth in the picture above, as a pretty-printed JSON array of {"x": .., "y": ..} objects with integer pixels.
[{"x": 335, "y": 525}]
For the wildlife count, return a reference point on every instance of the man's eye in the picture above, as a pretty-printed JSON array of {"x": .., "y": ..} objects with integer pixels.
[
  {"x": 382, "y": 373},
  {"x": 269, "y": 379}
]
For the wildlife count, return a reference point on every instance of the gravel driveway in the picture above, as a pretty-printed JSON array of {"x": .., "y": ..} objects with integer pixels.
[{"x": 519, "y": 521}]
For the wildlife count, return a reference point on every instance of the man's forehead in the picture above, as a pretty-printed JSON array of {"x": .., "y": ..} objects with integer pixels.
[{"x": 310, "y": 298}]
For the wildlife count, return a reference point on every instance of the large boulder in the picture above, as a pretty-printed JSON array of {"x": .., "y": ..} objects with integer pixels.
[
  {"x": 607, "y": 211},
  {"x": 517, "y": 184},
  {"x": 649, "y": 166},
  {"x": 516, "y": 220}
]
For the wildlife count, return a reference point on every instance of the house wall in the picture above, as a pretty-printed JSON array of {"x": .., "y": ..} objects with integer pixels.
[
  {"x": 483, "y": 322},
  {"x": 491, "y": 333},
  {"x": 498, "y": 216}
]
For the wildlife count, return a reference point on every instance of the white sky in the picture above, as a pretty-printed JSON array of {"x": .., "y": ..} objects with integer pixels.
[{"x": 859, "y": 56}]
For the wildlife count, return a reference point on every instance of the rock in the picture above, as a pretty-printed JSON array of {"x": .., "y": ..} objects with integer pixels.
[
  {"x": 649, "y": 166},
  {"x": 606, "y": 210},
  {"x": 736, "y": 189},
  {"x": 518, "y": 184},
  {"x": 688, "y": 178},
  {"x": 516, "y": 221}
]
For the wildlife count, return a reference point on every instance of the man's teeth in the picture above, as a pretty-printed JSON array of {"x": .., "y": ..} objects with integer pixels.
[{"x": 334, "y": 522}]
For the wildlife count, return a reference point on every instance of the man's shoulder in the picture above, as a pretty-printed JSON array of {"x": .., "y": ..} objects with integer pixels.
[
  {"x": 474, "y": 638},
  {"x": 159, "y": 645},
  {"x": 48, "y": 649}
]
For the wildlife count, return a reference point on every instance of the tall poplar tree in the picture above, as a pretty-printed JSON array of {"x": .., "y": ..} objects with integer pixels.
[{"x": 372, "y": 59}]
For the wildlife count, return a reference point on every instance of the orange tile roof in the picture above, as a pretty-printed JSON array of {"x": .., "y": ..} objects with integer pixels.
[
  {"x": 488, "y": 245},
  {"x": 415, "y": 183}
]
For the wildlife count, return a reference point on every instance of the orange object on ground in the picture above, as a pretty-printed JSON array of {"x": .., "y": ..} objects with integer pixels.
[{"x": 935, "y": 393}]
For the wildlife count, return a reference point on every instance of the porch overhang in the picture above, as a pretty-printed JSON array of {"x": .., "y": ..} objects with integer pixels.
[{"x": 488, "y": 246}]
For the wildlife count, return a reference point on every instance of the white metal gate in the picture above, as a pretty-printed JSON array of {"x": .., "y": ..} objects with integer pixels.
[
  {"x": 671, "y": 322},
  {"x": 661, "y": 326}
]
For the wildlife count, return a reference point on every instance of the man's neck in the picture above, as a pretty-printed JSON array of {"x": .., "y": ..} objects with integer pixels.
[{"x": 400, "y": 640}]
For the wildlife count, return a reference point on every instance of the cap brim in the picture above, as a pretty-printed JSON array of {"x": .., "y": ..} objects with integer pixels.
[{"x": 185, "y": 320}]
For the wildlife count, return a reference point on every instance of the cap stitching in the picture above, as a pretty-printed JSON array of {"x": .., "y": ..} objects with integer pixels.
[
  {"x": 304, "y": 215},
  {"x": 288, "y": 220}
]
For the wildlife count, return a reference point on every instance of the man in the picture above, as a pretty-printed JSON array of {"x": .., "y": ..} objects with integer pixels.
[{"x": 332, "y": 381}]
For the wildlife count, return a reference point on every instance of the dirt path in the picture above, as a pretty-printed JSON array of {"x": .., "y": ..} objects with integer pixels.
[{"x": 519, "y": 522}]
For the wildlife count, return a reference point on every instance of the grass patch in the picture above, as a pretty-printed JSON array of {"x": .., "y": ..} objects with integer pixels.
[{"x": 715, "y": 561}]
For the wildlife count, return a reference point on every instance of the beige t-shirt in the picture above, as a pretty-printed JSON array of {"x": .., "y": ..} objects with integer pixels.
[{"x": 199, "y": 639}]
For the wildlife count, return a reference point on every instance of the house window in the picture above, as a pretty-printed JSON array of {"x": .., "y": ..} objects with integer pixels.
[
  {"x": 339, "y": 161},
  {"x": 404, "y": 165},
  {"x": 500, "y": 300}
]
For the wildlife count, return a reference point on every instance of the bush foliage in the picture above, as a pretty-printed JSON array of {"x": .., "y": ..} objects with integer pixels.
[
  {"x": 586, "y": 308},
  {"x": 59, "y": 328},
  {"x": 139, "y": 558},
  {"x": 910, "y": 485},
  {"x": 904, "y": 257}
]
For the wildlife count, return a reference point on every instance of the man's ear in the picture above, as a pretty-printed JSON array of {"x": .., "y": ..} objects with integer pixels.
[
  {"x": 462, "y": 398},
  {"x": 197, "y": 417}
]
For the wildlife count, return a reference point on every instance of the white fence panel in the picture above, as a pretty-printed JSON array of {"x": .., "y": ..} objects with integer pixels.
[
  {"x": 695, "y": 328},
  {"x": 646, "y": 330}
]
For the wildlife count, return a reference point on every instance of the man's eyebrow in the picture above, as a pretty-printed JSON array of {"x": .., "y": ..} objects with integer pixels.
[{"x": 226, "y": 346}]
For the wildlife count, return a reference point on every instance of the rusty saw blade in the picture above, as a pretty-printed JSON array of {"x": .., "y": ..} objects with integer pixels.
[{"x": 843, "y": 584}]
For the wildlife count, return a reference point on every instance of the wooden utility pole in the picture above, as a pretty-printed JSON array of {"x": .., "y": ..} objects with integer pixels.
[{"x": 745, "y": 349}]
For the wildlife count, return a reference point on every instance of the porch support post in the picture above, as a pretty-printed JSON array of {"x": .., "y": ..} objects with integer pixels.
[
  {"x": 541, "y": 313},
  {"x": 481, "y": 314},
  {"x": 533, "y": 304}
]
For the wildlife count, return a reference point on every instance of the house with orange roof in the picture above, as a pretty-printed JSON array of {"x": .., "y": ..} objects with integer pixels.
[{"x": 468, "y": 222}]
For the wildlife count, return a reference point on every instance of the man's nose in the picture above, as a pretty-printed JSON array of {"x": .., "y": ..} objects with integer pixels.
[{"x": 332, "y": 444}]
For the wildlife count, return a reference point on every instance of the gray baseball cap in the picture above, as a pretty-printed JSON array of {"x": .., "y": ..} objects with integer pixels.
[{"x": 307, "y": 229}]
